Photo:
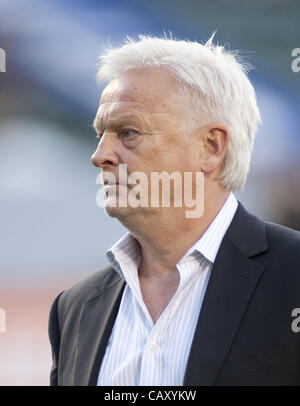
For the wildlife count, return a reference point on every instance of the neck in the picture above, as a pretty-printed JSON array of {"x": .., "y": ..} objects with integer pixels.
[{"x": 166, "y": 235}]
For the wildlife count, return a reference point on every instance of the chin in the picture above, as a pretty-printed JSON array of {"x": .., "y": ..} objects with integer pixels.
[
  {"x": 121, "y": 213},
  {"x": 113, "y": 211},
  {"x": 117, "y": 212}
]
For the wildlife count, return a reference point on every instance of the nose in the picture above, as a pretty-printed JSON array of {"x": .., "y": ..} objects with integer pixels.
[{"x": 105, "y": 154}]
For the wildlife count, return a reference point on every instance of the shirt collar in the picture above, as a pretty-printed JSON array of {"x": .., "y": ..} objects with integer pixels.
[
  {"x": 127, "y": 249},
  {"x": 209, "y": 243}
]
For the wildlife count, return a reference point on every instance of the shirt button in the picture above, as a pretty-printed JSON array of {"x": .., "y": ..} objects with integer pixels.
[{"x": 153, "y": 346}]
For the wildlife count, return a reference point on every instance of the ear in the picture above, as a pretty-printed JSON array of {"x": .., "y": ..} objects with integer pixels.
[{"x": 214, "y": 145}]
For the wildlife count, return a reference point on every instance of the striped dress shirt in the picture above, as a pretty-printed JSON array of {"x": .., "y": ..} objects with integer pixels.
[{"x": 140, "y": 352}]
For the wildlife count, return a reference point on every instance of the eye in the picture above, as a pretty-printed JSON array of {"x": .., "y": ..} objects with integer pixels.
[{"x": 128, "y": 133}]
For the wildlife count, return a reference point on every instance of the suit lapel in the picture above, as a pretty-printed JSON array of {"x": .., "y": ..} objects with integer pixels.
[
  {"x": 231, "y": 285},
  {"x": 96, "y": 322}
]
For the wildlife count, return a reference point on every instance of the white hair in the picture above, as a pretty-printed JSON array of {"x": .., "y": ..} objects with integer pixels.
[{"x": 215, "y": 83}]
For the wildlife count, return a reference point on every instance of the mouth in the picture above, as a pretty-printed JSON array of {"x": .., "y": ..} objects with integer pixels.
[{"x": 107, "y": 184}]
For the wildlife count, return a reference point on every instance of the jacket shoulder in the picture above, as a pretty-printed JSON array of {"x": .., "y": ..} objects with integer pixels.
[
  {"x": 254, "y": 236},
  {"x": 283, "y": 254},
  {"x": 286, "y": 238}
]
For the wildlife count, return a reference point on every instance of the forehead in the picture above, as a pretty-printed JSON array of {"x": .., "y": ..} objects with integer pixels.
[{"x": 144, "y": 91}]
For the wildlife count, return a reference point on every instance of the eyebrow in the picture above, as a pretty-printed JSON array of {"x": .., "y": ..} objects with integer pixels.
[{"x": 119, "y": 121}]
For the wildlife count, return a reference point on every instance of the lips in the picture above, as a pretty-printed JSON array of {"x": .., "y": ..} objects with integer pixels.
[{"x": 107, "y": 183}]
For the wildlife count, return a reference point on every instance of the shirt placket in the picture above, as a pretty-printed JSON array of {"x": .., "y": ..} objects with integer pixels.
[{"x": 152, "y": 359}]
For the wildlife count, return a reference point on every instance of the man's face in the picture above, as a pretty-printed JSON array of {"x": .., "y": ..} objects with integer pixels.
[{"x": 139, "y": 122}]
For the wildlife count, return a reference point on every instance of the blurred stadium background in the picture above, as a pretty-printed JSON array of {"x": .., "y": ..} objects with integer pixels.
[{"x": 52, "y": 233}]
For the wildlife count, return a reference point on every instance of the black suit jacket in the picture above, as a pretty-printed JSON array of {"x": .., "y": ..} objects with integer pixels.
[{"x": 244, "y": 332}]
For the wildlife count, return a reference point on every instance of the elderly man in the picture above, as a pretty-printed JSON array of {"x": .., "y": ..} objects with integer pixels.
[{"x": 211, "y": 299}]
